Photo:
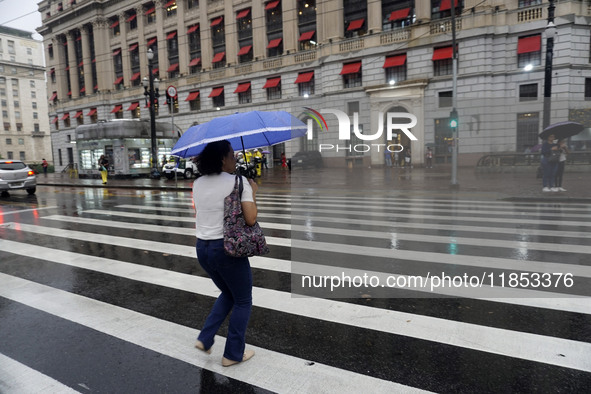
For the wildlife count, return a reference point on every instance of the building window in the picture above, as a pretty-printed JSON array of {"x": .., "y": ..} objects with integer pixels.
[
  {"x": 192, "y": 4},
  {"x": 93, "y": 115},
  {"x": 79, "y": 118},
  {"x": 217, "y": 96},
  {"x": 528, "y": 125},
  {"x": 34, "y": 104},
  {"x": 21, "y": 141},
  {"x": 132, "y": 20},
  {"x": 397, "y": 14},
  {"x": 307, "y": 40},
  {"x": 273, "y": 87},
  {"x": 529, "y": 51},
  {"x": 442, "y": 8},
  {"x": 17, "y": 114},
  {"x": 13, "y": 70},
  {"x": 244, "y": 93},
  {"x": 275, "y": 47},
  {"x": 19, "y": 127},
  {"x": 587, "y": 89},
  {"x": 274, "y": 24},
  {"x": 170, "y": 8},
  {"x": 244, "y": 22},
  {"x": 355, "y": 17},
  {"x": 4, "y": 103},
  {"x": 528, "y": 3},
  {"x": 22, "y": 156},
  {"x": 52, "y": 75},
  {"x": 442, "y": 61},
  {"x": 445, "y": 99},
  {"x": 32, "y": 83},
  {"x": 11, "y": 47},
  {"x": 395, "y": 68},
  {"x": 17, "y": 104},
  {"x": 173, "y": 54},
  {"x": 35, "y": 115},
  {"x": 5, "y": 114},
  {"x": 194, "y": 49},
  {"x": 218, "y": 41},
  {"x": 115, "y": 28},
  {"x": 6, "y": 126},
  {"x": 305, "y": 83},
  {"x": 194, "y": 101},
  {"x": 66, "y": 119},
  {"x": 9, "y": 141},
  {"x": 50, "y": 51},
  {"x": 150, "y": 13},
  {"x": 351, "y": 73},
  {"x": 134, "y": 109},
  {"x": 528, "y": 92}
]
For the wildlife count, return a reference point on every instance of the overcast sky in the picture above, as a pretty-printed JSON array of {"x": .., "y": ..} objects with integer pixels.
[{"x": 21, "y": 14}]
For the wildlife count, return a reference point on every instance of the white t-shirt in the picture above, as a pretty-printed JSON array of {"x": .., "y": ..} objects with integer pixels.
[{"x": 209, "y": 192}]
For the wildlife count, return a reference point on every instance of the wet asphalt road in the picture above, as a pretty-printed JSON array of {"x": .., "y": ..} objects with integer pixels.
[{"x": 100, "y": 291}]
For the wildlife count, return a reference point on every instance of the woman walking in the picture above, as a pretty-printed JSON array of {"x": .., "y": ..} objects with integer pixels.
[
  {"x": 548, "y": 164},
  {"x": 232, "y": 275},
  {"x": 104, "y": 168},
  {"x": 562, "y": 148}
]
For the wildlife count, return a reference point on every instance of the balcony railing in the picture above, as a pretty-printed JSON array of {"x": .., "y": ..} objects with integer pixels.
[
  {"x": 351, "y": 45},
  {"x": 530, "y": 14},
  {"x": 272, "y": 63},
  {"x": 395, "y": 36},
  {"x": 305, "y": 56},
  {"x": 444, "y": 26}
]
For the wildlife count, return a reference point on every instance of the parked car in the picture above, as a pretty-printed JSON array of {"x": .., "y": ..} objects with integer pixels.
[
  {"x": 16, "y": 175},
  {"x": 186, "y": 168},
  {"x": 306, "y": 159}
]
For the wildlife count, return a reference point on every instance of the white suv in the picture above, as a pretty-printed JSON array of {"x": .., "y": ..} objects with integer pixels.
[
  {"x": 15, "y": 175},
  {"x": 186, "y": 168}
]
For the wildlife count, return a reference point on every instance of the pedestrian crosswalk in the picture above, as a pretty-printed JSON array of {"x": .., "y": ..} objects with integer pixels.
[{"x": 107, "y": 295}]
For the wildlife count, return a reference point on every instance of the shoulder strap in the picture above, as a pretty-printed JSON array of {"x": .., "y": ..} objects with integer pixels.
[{"x": 240, "y": 185}]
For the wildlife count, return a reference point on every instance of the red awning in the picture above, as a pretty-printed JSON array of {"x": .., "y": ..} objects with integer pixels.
[
  {"x": 399, "y": 14},
  {"x": 272, "y": 5},
  {"x": 116, "y": 52},
  {"x": 244, "y": 50},
  {"x": 155, "y": 70},
  {"x": 243, "y": 13},
  {"x": 272, "y": 83},
  {"x": 117, "y": 108},
  {"x": 114, "y": 24},
  {"x": 118, "y": 81},
  {"x": 66, "y": 116},
  {"x": 151, "y": 41},
  {"x": 171, "y": 35},
  {"x": 193, "y": 29},
  {"x": 446, "y": 5},
  {"x": 133, "y": 47},
  {"x": 55, "y": 120},
  {"x": 78, "y": 114},
  {"x": 81, "y": 64},
  {"x": 195, "y": 62},
  {"x": 172, "y": 68},
  {"x": 274, "y": 43},
  {"x": 394, "y": 61},
  {"x": 529, "y": 44},
  {"x": 216, "y": 92},
  {"x": 70, "y": 93},
  {"x": 53, "y": 96},
  {"x": 83, "y": 90},
  {"x": 442, "y": 53},
  {"x": 94, "y": 60},
  {"x": 91, "y": 112},
  {"x": 216, "y": 21},
  {"x": 151, "y": 10},
  {"x": 242, "y": 87},
  {"x": 218, "y": 57},
  {"x": 356, "y": 24},
  {"x": 131, "y": 18},
  {"x": 79, "y": 38},
  {"x": 351, "y": 68},
  {"x": 304, "y": 77},
  {"x": 170, "y": 3},
  {"x": 133, "y": 106},
  {"x": 135, "y": 76},
  {"x": 307, "y": 35},
  {"x": 68, "y": 68},
  {"x": 96, "y": 87},
  {"x": 192, "y": 96},
  {"x": 52, "y": 71}
]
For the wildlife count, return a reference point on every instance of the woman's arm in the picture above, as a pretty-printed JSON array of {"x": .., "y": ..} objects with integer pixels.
[{"x": 249, "y": 209}]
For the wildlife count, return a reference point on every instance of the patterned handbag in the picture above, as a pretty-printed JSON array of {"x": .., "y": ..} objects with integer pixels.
[{"x": 240, "y": 239}]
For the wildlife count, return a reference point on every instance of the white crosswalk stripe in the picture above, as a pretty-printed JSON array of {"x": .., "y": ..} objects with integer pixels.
[{"x": 301, "y": 225}]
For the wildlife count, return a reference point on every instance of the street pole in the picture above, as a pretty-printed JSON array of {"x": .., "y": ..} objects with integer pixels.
[
  {"x": 550, "y": 31},
  {"x": 454, "y": 155},
  {"x": 152, "y": 94}
]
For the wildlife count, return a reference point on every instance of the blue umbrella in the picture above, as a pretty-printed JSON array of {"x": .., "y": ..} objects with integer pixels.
[{"x": 244, "y": 131}]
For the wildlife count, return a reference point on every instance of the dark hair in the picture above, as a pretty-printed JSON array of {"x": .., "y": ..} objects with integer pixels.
[{"x": 209, "y": 160}]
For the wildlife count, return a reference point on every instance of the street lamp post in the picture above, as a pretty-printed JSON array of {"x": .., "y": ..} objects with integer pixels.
[
  {"x": 550, "y": 34},
  {"x": 151, "y": 92}
]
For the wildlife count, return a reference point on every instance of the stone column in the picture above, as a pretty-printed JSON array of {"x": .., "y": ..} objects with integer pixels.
[
  {"x": 331, "y": 20},
  {"x": 73, "y": 65},
  {"x": 230, "y": 28},
  {"x": 374, "y": 16},
  {"x": 259, "y": 34},
  {"x": 124, "y": 51},
  {"x": 61, "y": 86},
  {"x": 88, "y": 82},
  {"x": 290, "y": 26},
  {"x": 142, "y": 48},
  {"x": 162, "y": 64},
  {"x": 182, "y": 39},
  {"x": 104, "y": 59},
  {"x": 423, "y": 10}
]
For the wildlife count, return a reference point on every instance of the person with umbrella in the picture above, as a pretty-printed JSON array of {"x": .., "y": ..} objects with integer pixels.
[
  {"x": 232, "y": 275},
  {"x": 562, "y": 148}
]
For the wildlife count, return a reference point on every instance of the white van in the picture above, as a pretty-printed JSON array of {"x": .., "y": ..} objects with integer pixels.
[{"x": 185, "y": 168}]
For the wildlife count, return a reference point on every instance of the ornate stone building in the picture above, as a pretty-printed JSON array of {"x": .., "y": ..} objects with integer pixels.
[
  {"x": 353, "y": 56},
  {"x": 25, "y": 126}
]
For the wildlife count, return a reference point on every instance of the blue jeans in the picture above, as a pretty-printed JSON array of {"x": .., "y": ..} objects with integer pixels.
[
  {"x": 549, "y": 173},
  {"x": 234, "y": 278}
]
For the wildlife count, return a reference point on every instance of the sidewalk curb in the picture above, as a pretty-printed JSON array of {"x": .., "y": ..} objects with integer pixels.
[{"x": 115, "y": 186}]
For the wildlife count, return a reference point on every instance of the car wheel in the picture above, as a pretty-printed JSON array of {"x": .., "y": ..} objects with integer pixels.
[
  {"x": 32, "y": 190},
  {"x": 188, "y": 173}
]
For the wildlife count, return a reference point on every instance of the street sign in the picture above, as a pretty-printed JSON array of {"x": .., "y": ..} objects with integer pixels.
[{"x": 171, "y": 90}]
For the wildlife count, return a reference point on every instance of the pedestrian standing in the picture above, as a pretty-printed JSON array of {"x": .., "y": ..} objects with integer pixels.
[
  {"x": 429, "y": 156},
  {"x": 104, "y": 168},
  {"x": 232, "y": 275},
  {"x": 388, "y": 158},
  {"x": 44, "y": 164},
  {"x": 283, "y": 161},
  {"x": 549, "y": 164},
  {"x": 563, "y": 149}
]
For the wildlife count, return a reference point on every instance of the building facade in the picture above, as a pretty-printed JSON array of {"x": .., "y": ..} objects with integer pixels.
[
  {"x": 354, "y": 56},
  {"x": 25, "y": 133}
]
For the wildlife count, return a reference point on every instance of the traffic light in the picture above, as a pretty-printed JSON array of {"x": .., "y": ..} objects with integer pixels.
[{"x": 453, "y": 119}]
